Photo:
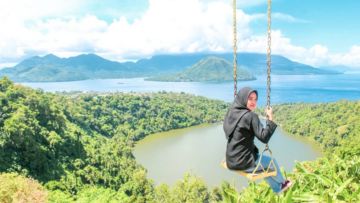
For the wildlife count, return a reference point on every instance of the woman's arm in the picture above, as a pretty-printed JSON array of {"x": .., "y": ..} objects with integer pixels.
[{"x": 263, "y": 134}]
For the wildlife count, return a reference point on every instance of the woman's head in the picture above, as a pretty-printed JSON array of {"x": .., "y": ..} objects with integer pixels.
[{"x": 246, "y": 98}]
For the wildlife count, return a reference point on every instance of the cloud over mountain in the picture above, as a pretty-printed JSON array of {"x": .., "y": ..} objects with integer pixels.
[{"x": 165, "y": 27}]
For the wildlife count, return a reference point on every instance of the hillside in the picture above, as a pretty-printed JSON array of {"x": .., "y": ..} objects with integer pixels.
[
  {"x": 51, "y": 68},
  {"x": 79, "y": 147},
  {"x": 208, "y": 69},
  {"x": 255, "y": 63}
]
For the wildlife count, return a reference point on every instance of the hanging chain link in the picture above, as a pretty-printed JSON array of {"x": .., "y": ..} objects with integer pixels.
[
  {"x": 268, "y": 58},
  {"x": 268, "y": 61},
  {"x": 235, "y": 47}
]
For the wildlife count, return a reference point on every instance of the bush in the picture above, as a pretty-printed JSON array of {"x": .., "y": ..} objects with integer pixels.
[{"x": 17, "y": 188}]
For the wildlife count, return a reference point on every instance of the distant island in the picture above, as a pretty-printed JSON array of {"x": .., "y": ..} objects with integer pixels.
[
  {"x": 51, "y": 68},
  {"x": 209, "y": 69}
]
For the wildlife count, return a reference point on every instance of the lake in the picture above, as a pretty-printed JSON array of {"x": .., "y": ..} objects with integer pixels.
[{"x": 199, "y": 150}]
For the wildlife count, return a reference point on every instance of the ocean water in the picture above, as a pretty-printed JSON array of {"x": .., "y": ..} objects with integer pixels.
[{"x": 284, "y": 88}]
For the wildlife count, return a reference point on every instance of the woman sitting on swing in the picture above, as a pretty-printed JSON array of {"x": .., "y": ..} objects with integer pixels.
[{"x": 241, "y": 126}]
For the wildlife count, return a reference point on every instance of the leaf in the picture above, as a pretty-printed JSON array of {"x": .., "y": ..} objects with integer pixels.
[
  {"x": 307, "y": 198},
  {"x": 288, "y": 196},
  {"x": 231, "y": 196},
  {"x": 342, "y": 187},
  {"x": 301, "y": 168},
  {"x": 325, "y": 181}
]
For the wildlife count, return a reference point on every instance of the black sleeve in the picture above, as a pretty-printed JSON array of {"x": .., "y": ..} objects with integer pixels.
[{"x": 263, "y": 134}]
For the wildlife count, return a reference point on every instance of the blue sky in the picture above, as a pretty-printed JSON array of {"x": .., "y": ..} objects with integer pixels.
[
  {"x": 319, "y": 33},
  {"x": 109, "y": 10},
  {"x": 331, "y": 23}
]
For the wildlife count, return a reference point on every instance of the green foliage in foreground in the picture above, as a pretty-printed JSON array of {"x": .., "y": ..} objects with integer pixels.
[
  {"x": 15, "y": 188},
  {"x": 325, "y": 180},
  {"x": 333, "y": 178}
]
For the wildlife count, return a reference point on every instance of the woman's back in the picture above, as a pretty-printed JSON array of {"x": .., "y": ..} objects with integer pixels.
[{"x": 241, "y": 151}]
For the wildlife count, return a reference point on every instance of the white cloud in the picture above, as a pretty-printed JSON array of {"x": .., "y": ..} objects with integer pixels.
[
  {"x": 174, "y": 26},
  {"x": 317, "y": 55},
  {"x": 287, "y": 18},
  {"x": 277, "y": 17},
  {"x": 18, "y": 37},
  {"x": 239, "y": 3},
  {"x": 6, "y": 65},
  {"x": 351, "y": 58},
  {"x": 279, "y": 45}
]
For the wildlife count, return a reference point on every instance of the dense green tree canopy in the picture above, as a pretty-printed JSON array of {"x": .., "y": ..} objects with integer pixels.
[
  {"x": 79, "y": 147},
  {"x": 77, "y": 143}
]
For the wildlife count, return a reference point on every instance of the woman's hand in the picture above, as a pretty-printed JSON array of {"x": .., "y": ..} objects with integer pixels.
[{"x": 269, "y": 113}]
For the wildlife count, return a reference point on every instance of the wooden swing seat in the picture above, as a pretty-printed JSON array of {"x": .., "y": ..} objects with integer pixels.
[{"x": 255, "y": 175}]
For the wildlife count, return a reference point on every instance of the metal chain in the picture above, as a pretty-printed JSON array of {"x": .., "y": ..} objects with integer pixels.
[
  {"x": 235, "y": 47},
  {"x": 268, "y": 61}
]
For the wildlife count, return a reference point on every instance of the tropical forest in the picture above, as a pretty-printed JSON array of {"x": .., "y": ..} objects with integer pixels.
[{"x": 77, "y": 147}]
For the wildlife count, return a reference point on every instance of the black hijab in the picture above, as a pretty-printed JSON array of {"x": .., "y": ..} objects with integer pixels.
[{"x": 237, "y": 110}]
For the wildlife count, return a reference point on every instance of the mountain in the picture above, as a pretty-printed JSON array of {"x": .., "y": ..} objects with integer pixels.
[
  {"x": 51, "y": 68},
  {"x": 253, "y": 62},
  {"x": 339, "y": 68},
  {"x": 256, "y": 64},
  {"x": 208, "y": 69}
]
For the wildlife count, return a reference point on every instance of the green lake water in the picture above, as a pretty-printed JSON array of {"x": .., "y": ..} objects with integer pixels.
[{"x": 199, "y": 150}]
